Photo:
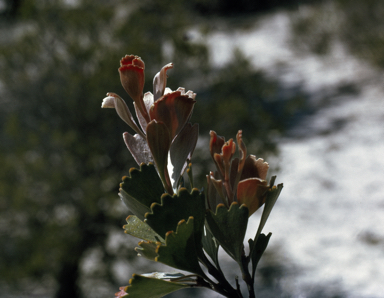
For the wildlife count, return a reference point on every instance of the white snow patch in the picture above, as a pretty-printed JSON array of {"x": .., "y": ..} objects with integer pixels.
[{"x": 333, "y": 196}]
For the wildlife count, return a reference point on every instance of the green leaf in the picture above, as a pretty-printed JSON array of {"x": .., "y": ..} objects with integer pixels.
[
  {"x": 142, "y": 188},
  {"x": 258, "y": 250},
  {"x": 229, "y": 227},
  {"x": 211, "y": 246},
  {"x": 139, "y": 229},
  {"x": 270, "y": 201},
  {"x": 181, "y": 206},
  {"x": 146, "y": 287},
  {"x": 134, "y": 205},
  {"x": 180, "y": 250},
  {"x": 148, "y": 250}
]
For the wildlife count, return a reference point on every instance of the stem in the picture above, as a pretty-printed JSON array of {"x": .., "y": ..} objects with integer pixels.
[
  {"x": 223, "y": 287},
  {"x": 247, "y": 276},
  {"x": 167, "y": 181},
  {"x": 228, "y": 188},
  {"x": 189, "y": 172}
]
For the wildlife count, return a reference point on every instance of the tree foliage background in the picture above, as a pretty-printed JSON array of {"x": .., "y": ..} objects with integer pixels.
[{"x": 62, "y": 157}]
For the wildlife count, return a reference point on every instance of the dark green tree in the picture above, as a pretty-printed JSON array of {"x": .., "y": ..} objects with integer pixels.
[
  {"x": 357, "y": 25},
  {"x": 58, "y": 188}
]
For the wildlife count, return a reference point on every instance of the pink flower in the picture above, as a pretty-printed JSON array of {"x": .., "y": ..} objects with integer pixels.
[
  {"x": 121, "y": 293},
  {"x": 241, "y": 180}
]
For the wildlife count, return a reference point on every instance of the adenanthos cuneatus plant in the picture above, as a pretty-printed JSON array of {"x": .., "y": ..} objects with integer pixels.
[{"x": 179, "y": 226}]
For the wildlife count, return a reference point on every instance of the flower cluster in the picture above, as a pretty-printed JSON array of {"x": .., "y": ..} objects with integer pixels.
[
  {"x": 241, "y": 180},
  {"x": 164, "y": 137}
]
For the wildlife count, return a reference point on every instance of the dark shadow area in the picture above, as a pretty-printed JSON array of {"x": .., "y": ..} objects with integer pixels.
[{"x": 241, "y": 7}]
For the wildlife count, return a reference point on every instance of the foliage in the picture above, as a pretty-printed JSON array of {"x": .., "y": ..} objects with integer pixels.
[{"x": 181, "y": 226}]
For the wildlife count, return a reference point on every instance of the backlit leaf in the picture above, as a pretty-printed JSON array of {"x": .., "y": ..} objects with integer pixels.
[
  {"x": 147, "y": 249},
  {"x": 229, "y": 227},
  {"x": 165, "y": 216},
  {"x": 138, "y": 147},
  {"x": 140, "y": 229},
  {"x": 146, "y": 287},
  {"x": 141, "y": 189},
  {"x": 270, "y": 201},
  {"x": 258, "y": 250},
  {"x": 180, "y": 250}
]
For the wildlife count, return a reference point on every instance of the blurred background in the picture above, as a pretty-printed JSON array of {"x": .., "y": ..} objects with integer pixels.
[{"x": 302, "y": 79}]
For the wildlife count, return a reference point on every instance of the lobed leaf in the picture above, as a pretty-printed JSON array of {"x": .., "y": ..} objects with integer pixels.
[
  {"x": 272, "y": 196},
  {"x": 140, "y": 229},
  {"x": 229, "y": 227},
  {"x": 147, "y": 249},
  {"x": 257, "y": 250},
  {"x": 165, "y": 216},
  {"x": 141, "y": 189},
  {"x": 181, "y": 251}
]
